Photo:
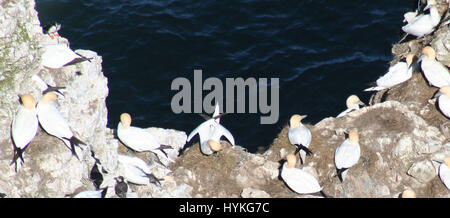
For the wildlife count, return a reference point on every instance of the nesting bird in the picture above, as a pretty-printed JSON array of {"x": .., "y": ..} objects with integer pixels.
[
  {"x": 443, "y": 100},
  {"x": 54, "y": 123},
  {"x": 92, "y": 194},
  {"x": 435, "y": 72},
  {"x": 57, "y": 56},
  {"x": 300, "y": 136},
  {"x": 210, "y": 133},
  {"x": 400, "y": 72},
  {"x": 299, "y": 180},
  {"x": 444, "y": 172},
  {"x": 423, "y": 24},
  {"x": 347, "y": 154},
  {"x": 136, "y": 171},
  {"x": 24, "y": 127},
  {"x": 44, "y": 87},
  {"x": 139, "y": 139},
  {"x": 353, "y": 103}
]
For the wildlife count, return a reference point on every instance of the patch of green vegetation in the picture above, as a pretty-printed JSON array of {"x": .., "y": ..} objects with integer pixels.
[{"x": 8, "y": 68}]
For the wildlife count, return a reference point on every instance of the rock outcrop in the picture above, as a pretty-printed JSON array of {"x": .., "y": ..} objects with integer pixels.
[
  {"x": 402, "y": 134},
  {"x": 50, "y": 170}
]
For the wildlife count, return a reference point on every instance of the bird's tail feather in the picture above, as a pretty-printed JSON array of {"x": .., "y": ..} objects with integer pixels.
[
  {"x": 74, "y": 141},
  {"x": 376, "y": 88}
]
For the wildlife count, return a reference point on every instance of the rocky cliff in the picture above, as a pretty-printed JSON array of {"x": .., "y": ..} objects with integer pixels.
[{"x": 401, "y": 134}]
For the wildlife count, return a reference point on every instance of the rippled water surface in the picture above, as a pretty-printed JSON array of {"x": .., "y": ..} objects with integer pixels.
[{"x": 322, "y": 51}]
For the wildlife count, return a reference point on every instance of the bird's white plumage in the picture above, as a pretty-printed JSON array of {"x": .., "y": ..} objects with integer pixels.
[
  {"x": 137, "y": 138},
  {"x": 89, "y": 194},
  {"x": 140, "y": 140},
  {"x": 57, "y": 55},
  {"x": 216, "y": 112},
  {"x": 347, "y": 154},
  {"x": 40, "y": 83},
  {"x": 24, "y": 126},
  {"x": 346, "y": 111},
  {"x": 134, "y": 169},
  {"x": 410, "y": 16},
  {"x": 435, "y": 73},
  {"x": 444, "y": 174},
  {"x": 299, "y": 180},
  {"x": 444, "y": 105},
  {"x": 53, "y": 122},
  {"x": 396, "y": 74},
  {"x": 300, "y": 135},
  {"x": 423, "y": 24},
  {"x": 213, "y": 130}
]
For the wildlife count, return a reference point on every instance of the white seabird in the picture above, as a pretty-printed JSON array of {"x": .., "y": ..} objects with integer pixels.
[
  {"x": 44, "y": 87},
  {"x": 299, "y": 136},
  {"x": 91, "y": 194},
  {"x": 57, "y": 56},
  {"x": 136, "y": 171},
  {"x": 299, "y": 180},
  {"x": 210, "y": 133},
  {"x": 139, "y": 139},
  {"x": 24, "y": 127},
  {"x": 443, "y": 100},
  {"x": 444, "y": 172},
  {"x": 347, "y": 154},
  {"x": 396, "y": 74},
  {"x": 353, "y": 103},
  {"x": 435, "y": 72},
  {"x": 410, "y": 16},
  {"x": 424, "y": 24},
  {"x": 54, "y": 123}
]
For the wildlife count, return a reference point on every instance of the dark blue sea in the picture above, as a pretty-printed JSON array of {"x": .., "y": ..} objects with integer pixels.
[{"x": 321, "y": 50}]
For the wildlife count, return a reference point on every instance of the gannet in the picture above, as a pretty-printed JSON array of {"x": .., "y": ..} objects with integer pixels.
[
  {"x": 396, "y": 74},
  {"x": 210, "y": 133},
  {"x": 423, "y": 24},
  {"x": 91, "y": 194},
  {"x": 347, "y": 154},
  {"x": 121, "y": 187},
  {"x": 299, "y": 180},
  {"x": 443, "y": 100},
  {"x": 408, "y": 193},
  {"x": 435, "y": 72},
  {"x": 353, "y": 104},
  {"x": 52, "y": 30},
  {"x": 300, "y": 136},
  {"x": 24, "y": 127},
  {"x": 444, "y": 172},
  {"x": 59, "y": 55},
  {"x": 54, "y": 123},
  {"x": 44, "y": 87},
  {"x": 136, "y": 171},
  {"x": 410, "y": 16},
  {"x": 139, "y": 139}
]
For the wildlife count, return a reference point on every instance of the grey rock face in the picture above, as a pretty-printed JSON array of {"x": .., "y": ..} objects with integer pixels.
[{"x": 50, "y": 170}]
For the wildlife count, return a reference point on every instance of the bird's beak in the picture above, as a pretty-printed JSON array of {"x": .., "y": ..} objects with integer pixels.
[
  {"x": 437, "y": 94},
  {"x": 304, "y": 116},
  {"x": 439, "y": 161},
  {"x": 421, "y": 58},
  {"x": 361, "y": 103},
  {"x": 427, "y": 7}
]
